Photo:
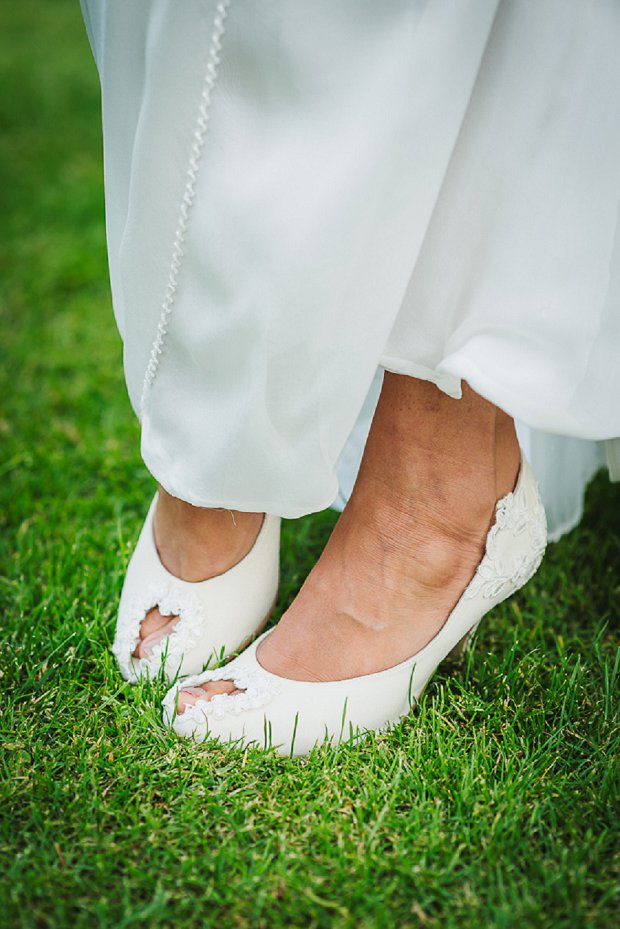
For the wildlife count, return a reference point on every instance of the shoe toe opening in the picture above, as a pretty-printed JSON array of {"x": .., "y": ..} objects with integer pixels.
[
  {"x": 189, "y": 696},
  {"x": 154, "y": 627}
]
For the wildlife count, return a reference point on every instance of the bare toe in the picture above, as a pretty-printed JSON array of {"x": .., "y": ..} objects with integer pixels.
[
  {"x": 153, "y": 628},
  {"x": 191, "y": 695}
]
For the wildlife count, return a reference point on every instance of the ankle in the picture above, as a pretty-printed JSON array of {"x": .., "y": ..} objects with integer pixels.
[
  {"x": 507, "y": 454},
  {"x": 386, "y": 564},
  {"x": 455, "y": 508},
  {"x": 196, "y": 543}
]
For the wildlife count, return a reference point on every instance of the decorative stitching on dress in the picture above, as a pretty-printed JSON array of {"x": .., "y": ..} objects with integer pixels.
[{"x": 189, "y": 195}]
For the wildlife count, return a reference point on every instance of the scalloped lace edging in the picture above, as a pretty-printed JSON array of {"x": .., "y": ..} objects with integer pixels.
[
  {"x": 171, "y": 649},
  {"x": 257, "y": 691}
]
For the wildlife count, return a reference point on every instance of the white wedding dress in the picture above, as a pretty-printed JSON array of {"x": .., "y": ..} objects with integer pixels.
[{"x": 300, "y": 196}]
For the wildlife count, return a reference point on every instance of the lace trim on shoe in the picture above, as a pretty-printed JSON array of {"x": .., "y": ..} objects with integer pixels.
[
  {"x": 171, "y": 648},
  {"x": 257, "y": 687},
  {"x": 517, "y": 514}
]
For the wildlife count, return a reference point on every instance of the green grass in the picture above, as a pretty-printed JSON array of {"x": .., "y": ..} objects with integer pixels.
[{"x": 494, "y": 805}]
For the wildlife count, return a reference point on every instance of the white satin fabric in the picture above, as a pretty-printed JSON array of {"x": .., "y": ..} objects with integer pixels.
[{"x": 299, "y": 196}]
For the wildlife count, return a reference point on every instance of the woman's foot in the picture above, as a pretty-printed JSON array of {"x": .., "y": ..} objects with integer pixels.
[
  {"x": 194, "y": 544},
  {"x": 407, "y": 543}
]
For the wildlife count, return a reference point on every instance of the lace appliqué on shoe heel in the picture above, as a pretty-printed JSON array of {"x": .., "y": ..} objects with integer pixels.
[{"x": 517, "y": 514}]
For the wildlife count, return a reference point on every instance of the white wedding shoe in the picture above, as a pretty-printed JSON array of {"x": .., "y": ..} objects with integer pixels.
[
  {"x": 296, "y": 715},
  {"x": 216, "y": 617}
]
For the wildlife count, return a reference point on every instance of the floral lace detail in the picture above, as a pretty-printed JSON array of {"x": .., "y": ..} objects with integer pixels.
[
  {"x": 519, "y": 513},
  {"x": 257, "y": 690},
  {"x": 185, "y": 635}
]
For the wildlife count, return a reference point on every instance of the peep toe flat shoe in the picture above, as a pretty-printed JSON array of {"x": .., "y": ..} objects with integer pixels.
[
  {"x": 293, "y": 716},
  {"x": 216, "y": 617}
]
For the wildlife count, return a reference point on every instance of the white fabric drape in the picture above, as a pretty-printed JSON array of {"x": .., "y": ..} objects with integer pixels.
[{"x": 299, "y": 196}]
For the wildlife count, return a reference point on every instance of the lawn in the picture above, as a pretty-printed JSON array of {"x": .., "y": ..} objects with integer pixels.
[{"x": 494, "y": 805}]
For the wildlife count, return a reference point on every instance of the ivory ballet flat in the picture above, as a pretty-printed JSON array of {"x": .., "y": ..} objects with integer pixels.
[
  {"x": 295, "y": 715},
  {"x": 216, "y": 617}
]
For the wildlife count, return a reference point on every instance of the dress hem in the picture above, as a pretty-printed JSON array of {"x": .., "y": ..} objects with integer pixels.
[{"x": 158, "y": 470}]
